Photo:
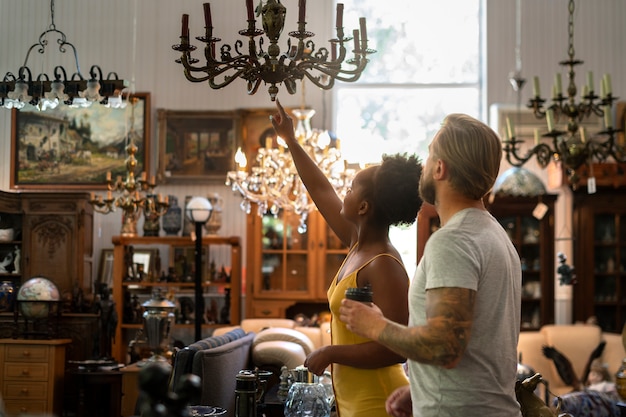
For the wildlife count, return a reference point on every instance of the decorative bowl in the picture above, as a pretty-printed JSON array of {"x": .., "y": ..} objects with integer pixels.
[
  {"x": 6, "y": 235},
  {"x": 205, "y": 411}
]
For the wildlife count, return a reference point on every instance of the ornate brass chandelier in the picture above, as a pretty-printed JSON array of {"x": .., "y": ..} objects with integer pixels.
[
  {"x": 273, "y": 182},
  {"x": 571, "y": 145},
  {"x": 47, "y": 92},
  {"x": 129, "y": 200},
  {"x": 300, "y": 60}
]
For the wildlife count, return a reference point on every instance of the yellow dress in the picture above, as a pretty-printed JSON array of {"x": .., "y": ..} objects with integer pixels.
[{"x": 359, "y": 392}]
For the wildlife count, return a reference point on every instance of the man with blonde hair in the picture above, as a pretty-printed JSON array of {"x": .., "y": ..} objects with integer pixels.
[{"x": 464, "y": 301}]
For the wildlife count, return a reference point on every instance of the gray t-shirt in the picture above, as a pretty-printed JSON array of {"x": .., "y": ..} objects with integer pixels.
[{"x": 471, "y": 251}]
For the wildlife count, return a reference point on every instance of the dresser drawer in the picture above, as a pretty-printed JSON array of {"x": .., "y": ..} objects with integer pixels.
[
  {"x": 16, "y": 407},
  {"x": 26, "y": 353},
  {"x": 267, "y": 310},
  {"x": 25, "y": 391},
  {"x": 26, "y": 371}
]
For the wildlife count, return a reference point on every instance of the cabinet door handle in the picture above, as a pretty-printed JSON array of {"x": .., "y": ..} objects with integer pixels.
[
  {"x": 266, "y": 312},
  {"x": 25, "y": 372},
  {"x": 26, "y": 353},
  {"x": 24, "y": 390}
]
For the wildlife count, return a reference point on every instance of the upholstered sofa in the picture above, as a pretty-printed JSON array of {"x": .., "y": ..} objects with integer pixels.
[
  {"x": 266, "y": 344},
  {"x": 576, "y": 342}
]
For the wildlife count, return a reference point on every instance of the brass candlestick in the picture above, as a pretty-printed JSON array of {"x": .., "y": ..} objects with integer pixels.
[{"x": 129, "y": 200}]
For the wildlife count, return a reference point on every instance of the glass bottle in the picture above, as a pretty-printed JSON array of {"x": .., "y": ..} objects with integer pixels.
[
  {"x": 245, "y": 394},
  {"x": 307, "y": 396}
]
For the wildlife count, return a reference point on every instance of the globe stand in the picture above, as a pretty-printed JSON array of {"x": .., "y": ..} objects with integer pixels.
[{"x": 36, "y": 319}]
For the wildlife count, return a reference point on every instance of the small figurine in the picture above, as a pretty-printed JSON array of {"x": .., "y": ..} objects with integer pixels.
[
  {"x": 566, "y": 272},
  {"x": 5, "y": 262},
  {"x": 16, "y": 260}
]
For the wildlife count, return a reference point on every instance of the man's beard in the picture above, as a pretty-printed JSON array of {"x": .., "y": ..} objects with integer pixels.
[{"x": 427, "y": 189}]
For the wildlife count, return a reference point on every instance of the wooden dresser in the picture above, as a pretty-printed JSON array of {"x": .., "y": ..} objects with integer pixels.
[{"x": 32, "y": 375}]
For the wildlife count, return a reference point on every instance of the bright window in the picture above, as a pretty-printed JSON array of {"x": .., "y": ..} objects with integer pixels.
[{"x": 428, "y": 64}]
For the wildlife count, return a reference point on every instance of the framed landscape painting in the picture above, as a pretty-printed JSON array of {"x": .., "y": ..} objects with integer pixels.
[
  {"x": 74, "y": 148},
  {"x": 196, "y": 146}
]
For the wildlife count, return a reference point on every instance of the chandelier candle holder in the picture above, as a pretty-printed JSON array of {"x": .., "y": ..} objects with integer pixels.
[
  {"x": 129, "y": 199},
  {"x": 571, "y": 145},
  {"x": 300, "y": 60},
  {"x": 47, "y": 92},
  {"x": 273, "y": 182}
]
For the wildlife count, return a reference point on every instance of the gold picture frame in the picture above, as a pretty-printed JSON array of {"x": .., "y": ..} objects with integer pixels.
[
  {"x": 74, "y": 148},
  {"x": 196, "y": 146}
]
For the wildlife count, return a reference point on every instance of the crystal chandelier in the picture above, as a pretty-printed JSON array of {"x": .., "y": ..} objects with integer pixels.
[
  {"x": 273, "y": 182},
  {"x": 300, "y": 60},
  {"x": 47, "y": 92},
  {"x": 571, "y": 145},
  {"x": 129, "y": 200}
]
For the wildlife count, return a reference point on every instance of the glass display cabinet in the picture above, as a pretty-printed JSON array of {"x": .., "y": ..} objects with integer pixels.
[
  {"x": 534, "y": 240},
  {"x": 600, "y": 258}
]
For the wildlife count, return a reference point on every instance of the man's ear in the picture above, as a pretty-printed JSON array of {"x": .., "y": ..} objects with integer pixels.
[{"x": 441, "y": 170}]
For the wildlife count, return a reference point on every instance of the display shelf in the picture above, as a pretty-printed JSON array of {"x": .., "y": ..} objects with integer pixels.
[{"x": 219, "y": 296}]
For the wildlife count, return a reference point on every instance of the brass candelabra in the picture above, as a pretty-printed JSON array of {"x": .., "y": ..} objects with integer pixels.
[{"x": 130, "y": 200}]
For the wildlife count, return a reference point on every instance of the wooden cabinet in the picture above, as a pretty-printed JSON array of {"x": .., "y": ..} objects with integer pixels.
[
  {"x": 225, "y": 292},
  {"x": 11, "y": 219},
  {"x": 32, "y": 375},
  {"x": 534, "y": 240},
  {"x": 286, "y": 267},
  {"x": 53, "y": 236},
  {"x": 600, "y": 258}
]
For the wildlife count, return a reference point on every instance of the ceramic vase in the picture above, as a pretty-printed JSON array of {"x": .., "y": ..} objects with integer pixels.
[
  {"x": 215, "y": 221},
  {"x": 7, "y": 296},
  {"x": 173, "y": 218}
]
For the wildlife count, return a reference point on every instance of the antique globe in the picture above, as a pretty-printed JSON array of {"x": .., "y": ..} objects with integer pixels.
[{"x": 34, "y": 297}]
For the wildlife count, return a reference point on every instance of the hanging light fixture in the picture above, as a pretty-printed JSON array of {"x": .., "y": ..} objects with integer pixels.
[
  {"x": 273, "y": 183},
  {"x": 47, "y": 92},
  {"x": 302, "y": 59},
  {"x": 571, "y": 145}
]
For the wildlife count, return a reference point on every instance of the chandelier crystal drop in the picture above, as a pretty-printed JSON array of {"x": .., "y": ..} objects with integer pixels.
[
  {"x": 226, "y": 63},
  {"x": 48, "y": 91},
  {"x": 570, "y": 144},
  {"x": 273, "y": 183}
]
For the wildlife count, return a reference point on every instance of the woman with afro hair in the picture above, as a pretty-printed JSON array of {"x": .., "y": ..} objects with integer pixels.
[{"x": 364, "y": 372}]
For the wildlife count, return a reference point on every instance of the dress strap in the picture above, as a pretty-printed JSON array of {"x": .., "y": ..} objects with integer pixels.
[{"x": 378, "y": 256}]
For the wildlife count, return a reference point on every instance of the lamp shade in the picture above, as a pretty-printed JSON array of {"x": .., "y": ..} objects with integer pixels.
[{"x": 199, "y": 210}]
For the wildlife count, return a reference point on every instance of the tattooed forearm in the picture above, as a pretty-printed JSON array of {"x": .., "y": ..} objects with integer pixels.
[{"x": 444, "y": 338}]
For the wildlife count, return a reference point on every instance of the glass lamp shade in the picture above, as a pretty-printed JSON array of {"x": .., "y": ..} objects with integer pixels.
[{"x": 199, "y": 210}]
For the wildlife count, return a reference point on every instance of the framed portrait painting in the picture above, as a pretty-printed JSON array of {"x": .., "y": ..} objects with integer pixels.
[
  {"x": 196, "y": 146},
  {"x": 73, "y": 148}
]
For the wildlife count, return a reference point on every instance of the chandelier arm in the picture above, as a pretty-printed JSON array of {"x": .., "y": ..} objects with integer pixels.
[
  {"x": 541, "y": 151},
  {"x": 610, "y": 148},
  {"x": 253, "y": 86},
  {"x": 333, "y": 71}
]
